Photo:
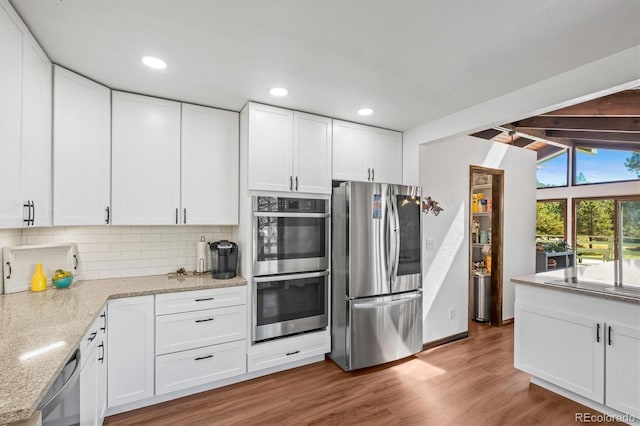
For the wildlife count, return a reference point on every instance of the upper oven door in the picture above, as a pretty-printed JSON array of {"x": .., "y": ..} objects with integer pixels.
[
  {"x": 290, "y": 242},
  {"x": 290, "y": 235}
]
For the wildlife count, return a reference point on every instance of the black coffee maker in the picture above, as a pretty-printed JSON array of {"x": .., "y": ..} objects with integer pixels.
[{"x": 224, "y": 259}]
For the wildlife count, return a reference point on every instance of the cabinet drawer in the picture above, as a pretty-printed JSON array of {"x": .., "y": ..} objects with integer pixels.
[
  {"x": 196, "y": 329},
  {"x": 296, "y": 349},
  {"x": 186, "y": 301},
  {"x": 196, "y": 367},
  {"x": 95, "y": 334}
]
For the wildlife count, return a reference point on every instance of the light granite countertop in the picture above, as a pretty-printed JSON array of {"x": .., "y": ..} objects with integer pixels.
[
  {"x": 594, "y": 280},
  {"x": 59, "y": 318}
]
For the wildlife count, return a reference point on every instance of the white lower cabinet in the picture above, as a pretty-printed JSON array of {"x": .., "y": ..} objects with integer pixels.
[
  {"x": 131, "y": 350},
  {"x": 185, "y": 369},
  {"x": 93, "y": 378},
  {"x": 275, "y": 353},
  {"x": 200, "y": 337},
  {"x": 587, "y": 345}
]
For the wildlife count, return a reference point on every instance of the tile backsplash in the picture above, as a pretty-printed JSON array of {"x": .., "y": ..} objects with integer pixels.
[{"x": 124, "y": 251}]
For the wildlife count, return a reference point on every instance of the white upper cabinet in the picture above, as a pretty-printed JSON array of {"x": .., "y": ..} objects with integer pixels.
[
  {"x": 288, "y": 151},
  {"x": 11, "y": 211},
  {"x": 81, "y": 150},
  {"x": 25, "y": 129},
  {"x": 311, "y": 153},
  {"x": 210, "y": 158},
  {"x": 364, "y": 153},
  {"x": 36, "y": 133},
  {"x": 270, "y": 166},
  {"x": 386, "y": 147},
  {"x": 146, "y": 160}
]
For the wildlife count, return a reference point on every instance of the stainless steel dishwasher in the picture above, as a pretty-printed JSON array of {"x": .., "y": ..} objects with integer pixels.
[{"x": 61, "y": 404}]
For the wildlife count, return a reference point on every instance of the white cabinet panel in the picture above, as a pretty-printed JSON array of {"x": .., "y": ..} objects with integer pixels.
[
  {"x": 146, "y": 160},
  {"x": 11, "y": 212},
  {"x": 36, "y": 132},
  {"x": 179, "y": 332},
  {"x": 81, "y": 150},
  {"x": 186, "y": 301},
  {"x": 351, "y": 160},
  {"x": 130, "y": 337},
  {"x": 387, "y": 156},
  {"x": 367, "y": 154},
  {"x": 561, "y": 348},
  {"x": 312, "y": 153},
  {"x": 278, "y": 352},
  {"x": 195, "y": 367},
  {"x": 270, "y": 166},
  {"x": 623, "y": 368},
  {"x": 210, "y": 156}
]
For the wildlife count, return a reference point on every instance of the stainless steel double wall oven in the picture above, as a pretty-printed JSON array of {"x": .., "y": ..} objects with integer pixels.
[{"x": 290, "y": 261}]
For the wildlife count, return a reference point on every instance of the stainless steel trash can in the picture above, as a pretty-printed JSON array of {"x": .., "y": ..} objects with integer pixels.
[{"x": 482, "y": 296}]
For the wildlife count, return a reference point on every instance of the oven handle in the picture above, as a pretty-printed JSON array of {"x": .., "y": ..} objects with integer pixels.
[
  {"x": 48, "y": 406},
  {"x": 282, "y": 214},
  {"x": 290, "y": 277}
]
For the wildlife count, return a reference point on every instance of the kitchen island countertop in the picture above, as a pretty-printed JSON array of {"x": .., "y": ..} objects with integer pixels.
[{"x": 58, "y": 319}]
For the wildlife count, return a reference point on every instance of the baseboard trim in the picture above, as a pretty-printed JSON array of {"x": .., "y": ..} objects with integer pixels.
[
  {"x": 445, "y": 340},
  {"x": 507, "y": 321}
]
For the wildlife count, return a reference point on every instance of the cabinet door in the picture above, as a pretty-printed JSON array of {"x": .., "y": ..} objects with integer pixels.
[
  {"x": 561, "y": 348},
  {"x": 210, "y": 156},
  {"x": 312, "y": 153},
  {"x": 81, "y": 150},
  {"x": 387, "y": 156},
  {"x": 130, "y": 350},
  {"x": 351, "y": 157},
  {"x": 11, "y": 212},
  {"x": 623, "y": 368},
  {"x": 36, "y": 131},
  {"x": 89, "y": 388},
  {"x": 146, "y": 160},
  {"x": 270, "y": 163}
]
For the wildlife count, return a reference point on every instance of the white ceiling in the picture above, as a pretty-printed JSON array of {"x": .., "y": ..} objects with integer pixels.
[{"x": 412, "y": 61}]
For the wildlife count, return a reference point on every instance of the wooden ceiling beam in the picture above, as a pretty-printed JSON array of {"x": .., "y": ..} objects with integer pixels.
[
  {"x": 621, "y": 104},
  {"x": 540, "y": 136},
  {"x": 605, "y": 124},
  {"x": 523, "y": 142},
  {"x": 594, "y": 136},
  {"x": 625, "y": 146},
  {"x": 548, "y": 152},
  {"x": 487, "y": 134}
]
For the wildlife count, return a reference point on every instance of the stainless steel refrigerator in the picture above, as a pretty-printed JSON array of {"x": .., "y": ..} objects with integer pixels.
[{"x": 376, "y": 274}]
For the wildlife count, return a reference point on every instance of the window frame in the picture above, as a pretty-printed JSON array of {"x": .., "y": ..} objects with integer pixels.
[
  {"x": 574, "y": 164},
  {"x": 568, "y": 173}
]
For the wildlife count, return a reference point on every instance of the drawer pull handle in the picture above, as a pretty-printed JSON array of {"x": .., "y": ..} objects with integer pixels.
[
  {"x": 204, "y": 299},
  {"x": 204, "y": 320},
  {"x": 598, "y": 333},
  {"x": 609, "y": 335},
  {"x": 292, "y": 353},
  {"x": 93, "y": 336},
  {"x": 200, "y": 358}
]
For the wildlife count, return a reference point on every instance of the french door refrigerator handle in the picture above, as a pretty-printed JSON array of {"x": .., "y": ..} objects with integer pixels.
[
  {"x": 396, "y": 231},
  {"x": 389, "y": 241}
]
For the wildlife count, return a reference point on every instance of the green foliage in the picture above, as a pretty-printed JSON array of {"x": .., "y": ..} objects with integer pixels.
[
  {"x": 581, "y": 178},
  {"x": 556, "y": 246},
  {"x": 550, "y": 218},
  {"x": 633, "y": 163},
  {"x": 594, "y": 217},
  {"x": 631, "y": 220}
]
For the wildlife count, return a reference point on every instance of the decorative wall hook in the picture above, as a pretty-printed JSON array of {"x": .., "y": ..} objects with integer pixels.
[{"x": 429, "y": 205}]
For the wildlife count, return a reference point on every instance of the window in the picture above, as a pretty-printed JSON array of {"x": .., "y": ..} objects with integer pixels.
[
  {"x": 551, "y": 220},
  {"x": 597, "y": 165},
  {"x": 594, "y": 224},
  {"x": 553, "y": 171}
]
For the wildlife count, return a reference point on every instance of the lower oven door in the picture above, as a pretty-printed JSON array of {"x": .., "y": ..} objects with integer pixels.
[{"x": 289, "y": 304}]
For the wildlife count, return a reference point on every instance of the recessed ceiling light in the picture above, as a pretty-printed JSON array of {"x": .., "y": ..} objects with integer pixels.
[
  {"x": 365, "y": 111},
  {"x": 153, "y": 62},
  {"x": 278, "y": 91}
]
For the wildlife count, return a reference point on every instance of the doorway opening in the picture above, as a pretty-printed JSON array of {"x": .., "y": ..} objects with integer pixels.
[{"x": 486, "y": 189}]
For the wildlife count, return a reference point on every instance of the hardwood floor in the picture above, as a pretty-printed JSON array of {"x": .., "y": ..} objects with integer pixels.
[{"x": 468, "y": 382}]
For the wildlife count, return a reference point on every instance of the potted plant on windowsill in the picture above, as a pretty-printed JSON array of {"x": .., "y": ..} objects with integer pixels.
[{"x": 557, "y": 246}]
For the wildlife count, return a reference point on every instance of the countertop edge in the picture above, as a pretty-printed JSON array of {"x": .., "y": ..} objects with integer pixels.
[
  {"x": 20, "y": 414},
  {"x": 534, "y": 281}
]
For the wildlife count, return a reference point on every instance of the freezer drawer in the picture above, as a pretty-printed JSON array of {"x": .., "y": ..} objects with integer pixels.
[{"x": 384, "y": 329}]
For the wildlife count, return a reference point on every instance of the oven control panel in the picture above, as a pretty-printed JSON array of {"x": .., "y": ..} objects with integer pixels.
[{"x": 290, "y": 205}]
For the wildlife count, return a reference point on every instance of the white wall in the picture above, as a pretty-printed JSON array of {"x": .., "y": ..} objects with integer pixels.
[
  {"x": 604, "y": 76},
  {"x": 444, "y": 175},
  {"x": 123, "y": 251}
]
